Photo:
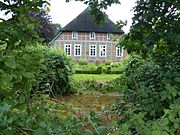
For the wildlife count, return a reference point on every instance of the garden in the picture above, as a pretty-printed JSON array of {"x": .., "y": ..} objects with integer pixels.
[{"x": 42, "y": 92}]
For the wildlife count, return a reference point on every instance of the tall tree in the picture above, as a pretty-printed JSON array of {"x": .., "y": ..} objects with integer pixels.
[
  {"x": 46, "y": 30},
  {"x": 155, "y": 22},
  {"x": 57, "y": 27}
]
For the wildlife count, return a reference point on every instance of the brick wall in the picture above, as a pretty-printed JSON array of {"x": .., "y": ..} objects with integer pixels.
[{"x": 84, "y": 40}]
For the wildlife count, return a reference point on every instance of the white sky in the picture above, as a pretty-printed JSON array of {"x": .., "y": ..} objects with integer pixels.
[{"x": 62, "y": 12}]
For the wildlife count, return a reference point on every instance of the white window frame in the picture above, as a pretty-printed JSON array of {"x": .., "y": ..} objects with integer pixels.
[
  {"x": 108, "y": 36},
  {"x": 100, "y": 49},
  {"x": 76, "y": 46},
  {"x": 68, "y": 46},
  {"x": 122, "y": 51},
  {"x": 90, "y": 49},
  {"x": 74, "y": 35},
  {"x": 92, "y": 35}
]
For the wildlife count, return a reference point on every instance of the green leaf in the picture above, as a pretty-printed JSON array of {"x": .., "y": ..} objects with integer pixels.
[
  {"x": 114, "y": 123},
  {"x": 17, "y": 43},
  {"x": 30, "y": 26},
  {"x": 92, "y": 114},
  {"x": 87, "y": 132},
  {"x": 28, "y": 75},
  {"x": 164, "y": 133},
  {"x": 9, "y": 62},
  {"x": 174, "y": 91},
  {"x": 40, "y": 131},
  {"x": 177, "y": 79},
  {"x": 102, "y": 130},
  {"x": 164, "y": 122},
  {"x": 3, "y": 46},
  {"x": 22, "y": 99},
  {"x": 6, "y": 78},
  {"x": 157, "y": 132}
]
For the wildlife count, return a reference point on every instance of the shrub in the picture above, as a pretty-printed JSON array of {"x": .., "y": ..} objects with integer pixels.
[
  {"x": 99, "y": 70},
  {"x": 83, "y": 62},
  {"x": 108, "y": 71},
  {"x": 97, "y": 62},
  {"x": 117, "y": 64},
  {"x": 116, "y": 71},
  {"x": 108, "y": 62},
  {"x": 19, "y": 69},
  {"x": 56, "y": 75},
  {"x": 151, "y": 93}
]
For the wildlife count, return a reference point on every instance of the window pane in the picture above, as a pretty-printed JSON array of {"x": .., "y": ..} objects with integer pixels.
[
  {"x": 77, "y": 50},
  {"x": 103, "y": 50},
  {"x": 74, "y": 34},
  {"x": 119, "y": 52},
  {"x": 67, "y": 49},
  {"x": 92, "y": 50}
]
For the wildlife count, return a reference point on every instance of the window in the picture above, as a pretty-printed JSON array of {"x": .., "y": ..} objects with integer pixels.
[
  {"x": 108, "y": 36},
  {"x": 92, "y": 35},
  {"x": 119, "y": 52},
  {"x": 74, "y": 35},
  {"x": 77, "y": 50},
  {"x": 92, "y": 50},
  {"x": 102, "y": 51},
  {"x": 67, "y": 49}
]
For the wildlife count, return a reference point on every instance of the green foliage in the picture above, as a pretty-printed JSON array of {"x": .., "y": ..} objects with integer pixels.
[
  {"x": 99, "y": 69},
  {"x": 153, "y": 23},
  {"x": 47, "y": 30},
  {"x": 21, "y": 64},
  {"x": 81, "y": 62},
  {"x": 55, "y": 77},
  {"x": 102, "y": 82},
  {"x": 108, "y": 62},
  {"x": 147, "y": 99},
  {"x": 150, "y": 101},
  {"x": 96, "y": 77}
]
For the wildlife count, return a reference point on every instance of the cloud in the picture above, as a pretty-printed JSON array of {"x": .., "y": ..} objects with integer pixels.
[{"x": 62, "y": 12}]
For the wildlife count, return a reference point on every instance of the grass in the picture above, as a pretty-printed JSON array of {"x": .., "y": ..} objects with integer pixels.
[{"x": 96, "y": 77}]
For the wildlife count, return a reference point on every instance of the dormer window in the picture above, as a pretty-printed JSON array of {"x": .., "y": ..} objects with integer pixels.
[
  {"x": 108, "y": 36},
  {"x": 74, "y": 35},
  {"x": 92, "y": 35}
]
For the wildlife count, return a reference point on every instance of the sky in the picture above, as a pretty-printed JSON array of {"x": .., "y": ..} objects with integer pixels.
[{"x": 62, "y": 12}]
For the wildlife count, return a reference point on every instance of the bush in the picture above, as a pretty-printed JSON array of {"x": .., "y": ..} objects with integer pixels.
[
  {"x": 56, "y": 75},
  {"x": 97, "y": 62},
  {"x": 99, "y": 70},
  {"x": 19, "y": 69},
  {"x": 151, "y": 93},
  {"x": 108, "y": 62},
  {"x": 82, "y": 62},
  {"x": 116, "y": 71}
]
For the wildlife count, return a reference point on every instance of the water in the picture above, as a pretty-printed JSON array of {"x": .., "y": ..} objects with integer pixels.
[{"x": 82, "y": 105}]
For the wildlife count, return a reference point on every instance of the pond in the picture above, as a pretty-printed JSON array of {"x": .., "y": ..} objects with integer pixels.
[{"x": 82, "y": 105}]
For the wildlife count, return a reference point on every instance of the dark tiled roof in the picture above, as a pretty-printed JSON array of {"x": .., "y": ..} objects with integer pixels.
[{"x": 85, "y": 23}]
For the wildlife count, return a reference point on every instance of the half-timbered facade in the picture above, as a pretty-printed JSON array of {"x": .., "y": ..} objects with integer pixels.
[{"x": 82, "y": 39}]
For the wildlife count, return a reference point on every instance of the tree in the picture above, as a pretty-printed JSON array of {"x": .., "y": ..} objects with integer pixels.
[
  {"x": 46, "y": 30},
  {"x": 57, "y": 27},
  {"x": 155, "y": 22}
]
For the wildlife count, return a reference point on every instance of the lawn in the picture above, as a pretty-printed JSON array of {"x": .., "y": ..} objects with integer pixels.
[{"x": 96, "y": 77}]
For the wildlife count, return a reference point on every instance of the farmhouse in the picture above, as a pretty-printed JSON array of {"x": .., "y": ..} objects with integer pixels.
[{"x": 83, "y": 39}]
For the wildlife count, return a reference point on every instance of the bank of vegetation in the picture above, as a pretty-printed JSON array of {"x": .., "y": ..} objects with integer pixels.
[{"x": 149, "y": 84}]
